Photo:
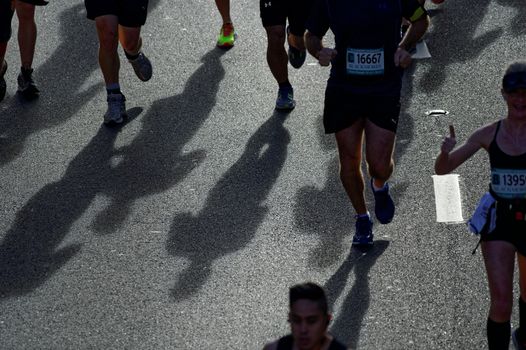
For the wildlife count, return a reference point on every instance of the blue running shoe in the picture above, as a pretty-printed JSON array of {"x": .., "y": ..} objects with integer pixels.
[
  {"x": 384, "y": 207},
  {"x": 364, "y": 232},
  {"x": 285, "y": 100}
]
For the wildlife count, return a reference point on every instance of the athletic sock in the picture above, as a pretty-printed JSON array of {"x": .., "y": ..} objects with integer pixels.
[
  {"x": 498, "y": 334},
  {"x": 361, "y": 216},
  {"x": 376, "y": 189},
  {"x": 113, "y": 89},
  {"x": 285, "y": 85},
  {"x": 26, "y": 72},
  {"x": 130, "y": 56}
]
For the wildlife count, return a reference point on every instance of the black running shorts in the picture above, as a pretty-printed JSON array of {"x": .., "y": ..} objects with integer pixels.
[
  {"x": 6, "y": 14},
  {"x": 131, "y": 13},
  {"x": 509, "y": 230},
  {"x": 276, "y": 12},
  {"x": 343, "y": 108}
]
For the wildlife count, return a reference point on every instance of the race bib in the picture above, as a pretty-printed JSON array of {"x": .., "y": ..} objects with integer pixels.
[
  {"x": 509, "y": 183},
  {"x": 365, "y": 61}
]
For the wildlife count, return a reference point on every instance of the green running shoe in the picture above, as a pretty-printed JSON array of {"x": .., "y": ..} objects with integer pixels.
[{"x": 227, "y": 36}]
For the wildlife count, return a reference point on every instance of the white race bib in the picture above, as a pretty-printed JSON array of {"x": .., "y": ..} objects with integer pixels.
[
  {"x": 365, "y": 61},
  {"x": 509, "y": 183}
]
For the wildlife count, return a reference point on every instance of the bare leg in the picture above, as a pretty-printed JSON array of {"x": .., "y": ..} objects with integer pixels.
[
  {"x": 27, "y": 32},
  {"x": 277, "y": 58},
  {"x": 379, "y": 153},
  {"x": 224, "y": 10},
  {"x": 350, "y": 152},
  {"x": 130, "y": 39},
  {"x": 499, "y": 259},
  {"x": 107, "y": 30}
]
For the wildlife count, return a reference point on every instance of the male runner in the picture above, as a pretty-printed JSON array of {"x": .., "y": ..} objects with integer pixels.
[
  {"x": 362, "y": 99},
  {"x": 119, "y": 21},
  {"x": 227, "y": 34},
  {"x": 27, "y": 35},
  {"x": 274, "y": 15},
  {"x": 309, "y": 320}
]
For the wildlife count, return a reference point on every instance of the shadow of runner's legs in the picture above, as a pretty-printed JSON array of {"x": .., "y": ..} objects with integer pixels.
[
  {"x": 347, "y": 324},
  {"x": 233, "y": 211},
  {"x": 29, "y": 253}
]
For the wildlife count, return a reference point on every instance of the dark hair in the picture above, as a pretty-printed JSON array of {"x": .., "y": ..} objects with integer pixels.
[
  {"x": 514, "y": 76},
  {"x": 310, "y": 291}
]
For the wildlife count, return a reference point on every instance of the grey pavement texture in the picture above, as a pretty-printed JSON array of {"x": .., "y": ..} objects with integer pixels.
[{"x": 185, "y": 228}]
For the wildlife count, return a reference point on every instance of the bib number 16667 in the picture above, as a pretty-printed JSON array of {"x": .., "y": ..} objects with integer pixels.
[{"x": 368, "y": 58}]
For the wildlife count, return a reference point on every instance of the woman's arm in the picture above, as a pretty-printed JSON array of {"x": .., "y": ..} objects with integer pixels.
[{"x": 448, "y": 160}]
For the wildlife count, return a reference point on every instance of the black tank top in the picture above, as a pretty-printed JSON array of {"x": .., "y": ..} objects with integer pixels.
[
  {"x": 286, "y": 343},
  {"x": 508, "y": 173}
]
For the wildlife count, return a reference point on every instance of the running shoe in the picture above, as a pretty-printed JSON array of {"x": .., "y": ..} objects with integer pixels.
[
  {"x": 227, "y": 36},
  {"x": 285, "y": 100},
  {"x": 116, "y": 109},
  {"x": 26, "y": 85},
  {"x": 516, "y": 342},
  {"x": 364, "y": 232},
  {"x": 384, "y": 207},
  {"x": 296, "y": 56},
  {"x": 142, "y": 67},
  {"x": 3, "y": 85}
]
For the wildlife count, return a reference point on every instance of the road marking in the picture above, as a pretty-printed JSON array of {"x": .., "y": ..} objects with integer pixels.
[{"x": 447, "y": 198}]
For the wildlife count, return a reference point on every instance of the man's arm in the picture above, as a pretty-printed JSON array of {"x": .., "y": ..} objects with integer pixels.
[
  {"x": 314, "y": 45},
  {"x": 416, "y": 30}
]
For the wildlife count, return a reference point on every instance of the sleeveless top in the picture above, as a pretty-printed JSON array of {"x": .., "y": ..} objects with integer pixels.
[
  {"x": 286, "y": 343},
  {"x": 508, "y": 173}
]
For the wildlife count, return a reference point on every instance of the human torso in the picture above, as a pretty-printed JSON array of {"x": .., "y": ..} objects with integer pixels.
[
  {"x": 367, "y": 34},
  {"x": 508, "y": 172}
]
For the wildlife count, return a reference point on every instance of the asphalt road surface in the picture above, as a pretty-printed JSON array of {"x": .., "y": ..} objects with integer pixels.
[{"x": 185, "y": 228}]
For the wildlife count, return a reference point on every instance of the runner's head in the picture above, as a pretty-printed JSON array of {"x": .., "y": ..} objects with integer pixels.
[
  {"x": 308, "y": 316},
  {"x": 514, "y": 77},
  {"x": 514, "y": 90}
]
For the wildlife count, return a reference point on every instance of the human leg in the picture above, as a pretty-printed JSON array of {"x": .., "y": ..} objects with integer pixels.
[
  {"x": 519, "y": 336},
  {"x": 227, "y": 34},
  {"x": 277, "y": 61},
  {"x": 6, "y": 14},
  {"x": 132, "y": 16},
  {"x": 298, "y": 13},
  {"x": 349, "y": 143},
  {"x": 223, "y": 6},
  {"x": 499, "y": 260},
  {"x": 107, "y": 31},
  {"x": 131, "y": 41},
  {"x": 27, "y": 34}
]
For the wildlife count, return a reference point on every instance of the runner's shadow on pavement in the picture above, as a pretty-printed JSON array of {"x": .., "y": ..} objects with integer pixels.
[
  {"x": 61, "y": 80},
  {"x": 517, "y": 25},
  {"x": 347, "y": 323},
  {"x": 152, "y": 163},
  {"x": 155, "y": 160},
  {"x": 29, "y": 252},
  {"x": 450, "y": 46},
  {"x": 233, "y": 211}
]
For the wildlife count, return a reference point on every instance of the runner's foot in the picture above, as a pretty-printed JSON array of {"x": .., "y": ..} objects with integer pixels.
[
  {"x": 227, "y": 36},
  {"x": 384, "y": 207}
]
